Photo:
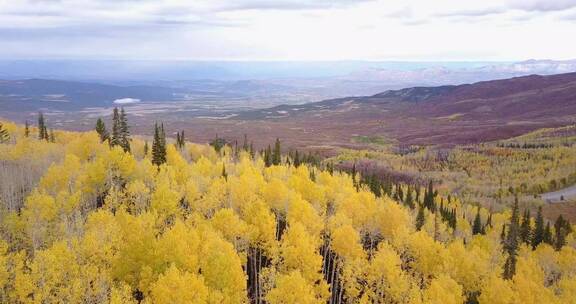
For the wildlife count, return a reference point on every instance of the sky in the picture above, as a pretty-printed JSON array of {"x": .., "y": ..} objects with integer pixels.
[{"x": 294, "y": 30}]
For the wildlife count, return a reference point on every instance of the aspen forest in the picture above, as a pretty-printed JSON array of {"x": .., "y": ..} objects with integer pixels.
[{"x": 106, "y": 216}]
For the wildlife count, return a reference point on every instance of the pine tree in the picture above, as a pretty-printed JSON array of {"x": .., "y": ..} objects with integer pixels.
[
  {"x": 296, "y": 159},
  {"x": 52, "y": 137},
  {"x": 429, "y": 197},
  {"x": 42, "y": 130},
  {"x": 27, "y": 129},
  {"x": 146, "y": 148},
  {"x": 547, "y": 234},
  {"x": 124, "y": 131},
  {"x": 115, "y": 139},
  {"x": 101, "y": 130},
  {"x": 511, "y": 243},
  {"x": 538, "y": 236},
  {"x": 560, "y": 232},
  {"x": 159, "y": 146},
  {"x": 245, "y": 146},
  {"x": 4, "y": 136},
  {"x": 409, "y": 201},
  {"x": 420, "y": 218},
  {"x": 252, "y": 152},
  {"x": 477, "y": 227},
  {"x": 525, "y": 229},
  {"x": 276, "y": 154},
  {"x": 268, "y": 157},
  {"x": 224, "y": 174}
]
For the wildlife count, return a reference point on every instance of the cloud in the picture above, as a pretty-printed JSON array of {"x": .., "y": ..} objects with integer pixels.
[
  {"x": 473, "y": 12},
  {"x": 126, "y": 100},
  {"x": 543, "y": 5}
]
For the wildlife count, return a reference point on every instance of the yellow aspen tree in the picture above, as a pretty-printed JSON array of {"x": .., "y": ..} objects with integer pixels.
[{"x": 176, "y": 287}]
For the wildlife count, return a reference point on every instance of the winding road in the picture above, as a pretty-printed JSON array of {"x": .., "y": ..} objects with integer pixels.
[{"x": 556, "y": 196}]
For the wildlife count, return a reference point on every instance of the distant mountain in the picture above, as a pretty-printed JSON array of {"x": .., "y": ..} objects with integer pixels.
[
  {"x": 67, "y": 95},
  {"x": 441, "y": 75},
  {"x": 466, "y": 113}
]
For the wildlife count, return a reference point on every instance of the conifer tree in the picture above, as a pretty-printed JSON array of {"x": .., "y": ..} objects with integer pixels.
[
  {"x": 296, "y": 159},
  {"x": 276, "y": 154},
  {"x": 547, "y": 234},
  {"x": 4, "y": 136},
  {"x": 52, "y": 137},
  {"x": 525, "y": 229},
  {"x": 538, "y": 235},
  {"x": 115, "y": 139},
  {"x": 268, "y": 157},
  {"x": 224, "y": 174},
  {"x": 252, "y": 151},
  {"x": 146, "y": 148},
  {"x": 159, "y": 145},
  {"x": 245, "y": 146},
  {"x": 124, "y": 131},
  {"x": 477, "y": 227},
  {"x": 27, "y": 129},
  {"x": 420, "y": 218},
  {"x": 409, "y": 201},
  {"x": 511, "y": 243},
  {"x": 560, "y": 231},
  {"x": 42, "y": 130},
  {"x": 101, "y": 130}
]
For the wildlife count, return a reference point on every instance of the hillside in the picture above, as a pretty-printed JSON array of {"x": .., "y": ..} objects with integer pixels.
[
  {"x": 86, "y": 222},
  {"x": 460, "y": 114}
]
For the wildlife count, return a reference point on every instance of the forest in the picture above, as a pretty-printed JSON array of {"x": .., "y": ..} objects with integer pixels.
[
  {"x": 490, "y": 174},
  {"x": 110, "y": 217}
]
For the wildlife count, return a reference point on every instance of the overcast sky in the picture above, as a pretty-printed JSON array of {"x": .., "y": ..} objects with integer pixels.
[{"x": 289, "y": 29}]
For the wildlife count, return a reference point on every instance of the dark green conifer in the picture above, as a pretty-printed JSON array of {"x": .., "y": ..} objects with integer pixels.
[
  {"x": 159, "y": 145},
  {"x": 276, "y": 154},
  {"x": 42, "y": 130},
  {"x": 101, "y": 130},
  {"x": 115, "y": 138},
  {"x": 511, "y": 243},
  {"x": 477, "y": 227},
  {"x": 525, "y": 229},
  {"x": 420, "y": 218},
  {"x": 538, "y": 235},
  {"x": 124, "y": 131}
]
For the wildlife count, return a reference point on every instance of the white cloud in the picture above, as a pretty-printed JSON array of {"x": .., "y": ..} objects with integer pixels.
[
  {"x": 126, "y": 100},
  {"x": 288, "y": 29}
]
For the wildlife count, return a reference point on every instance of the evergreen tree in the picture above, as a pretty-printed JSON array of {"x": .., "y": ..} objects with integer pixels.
[
  {"x": 268, "y": 157},
  {"x": 420, "y": 218},
  {"x": 409, "y": 201},
  {"x": 4, "y": 136},
  {"x": 124, "y": 131},
  {"x": 27, "y": 129},
  {"x": 538, "y": 235},
  {"x": 276, "y": 154},
  {"x": 252, "y": 152},
  {"x": 429, "y": 197},
  {"x": 477, "y": 227},
  {"x": 180, "y": 139},
  {"x": 547, "y": 234},
  {"x": 159, "y": 145},
  {"x": 101, "y": 130},
  {"x": 296, "y": 159},
  {"x": 115, "y": 139},
  {"x": 224, "y": 174},
  {"x": 525, "y": 229},
  {"x": 560, "y": 231},
  {"x": 146, "y": 148},
  {"x": 52, "y": 137},
  {"x": 42, "y": 130},
  {"x": 511, "y": 243},
  {"x": 245, "y": 146}
]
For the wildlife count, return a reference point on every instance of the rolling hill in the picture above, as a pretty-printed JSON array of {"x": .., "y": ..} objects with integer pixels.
[{"x": 469, "y": 113}]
